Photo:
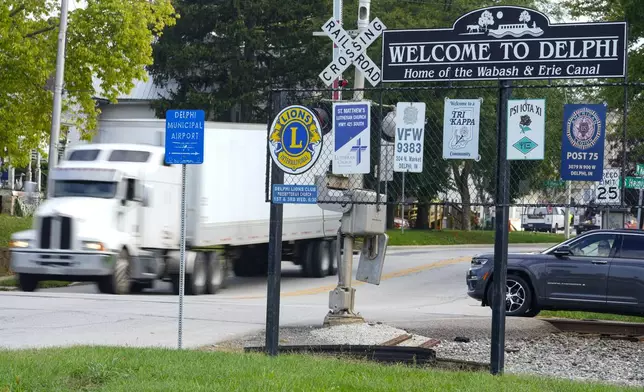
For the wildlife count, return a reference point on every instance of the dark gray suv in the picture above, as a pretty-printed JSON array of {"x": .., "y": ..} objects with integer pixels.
[{"x": 598, "y": 271}]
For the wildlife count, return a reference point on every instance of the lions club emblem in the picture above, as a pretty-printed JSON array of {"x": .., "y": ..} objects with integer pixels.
[
  {"x": 584, "y": 128},
  {"x": 295, "y": 139}
]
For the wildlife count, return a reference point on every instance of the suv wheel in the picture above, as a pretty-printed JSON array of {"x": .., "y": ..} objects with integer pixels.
[{"x": 518, "y": 296}]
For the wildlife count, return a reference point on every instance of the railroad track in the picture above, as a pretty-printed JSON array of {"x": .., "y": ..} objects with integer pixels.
[
  {"x": 616, "y": 330},
  {"x": 388, "y": 352}
]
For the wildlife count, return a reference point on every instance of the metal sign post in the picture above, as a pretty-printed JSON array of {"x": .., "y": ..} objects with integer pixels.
[
  {"x": 184, "y": 145},
  {"x": 288, "y": 124},
  {"x": 502, "y": 215}
]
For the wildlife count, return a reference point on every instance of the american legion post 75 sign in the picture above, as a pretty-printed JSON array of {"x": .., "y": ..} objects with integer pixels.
[{"x": 505, "y": 42}]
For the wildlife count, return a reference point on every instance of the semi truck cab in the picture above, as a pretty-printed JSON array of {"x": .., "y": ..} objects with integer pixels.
[{"x": 98, "y": 220}]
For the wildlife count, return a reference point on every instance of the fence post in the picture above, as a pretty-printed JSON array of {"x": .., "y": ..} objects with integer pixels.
[{"x": 501, "y": 235}]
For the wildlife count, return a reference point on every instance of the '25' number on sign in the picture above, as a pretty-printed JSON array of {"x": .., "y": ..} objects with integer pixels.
[{"x": 609, "y": 193}]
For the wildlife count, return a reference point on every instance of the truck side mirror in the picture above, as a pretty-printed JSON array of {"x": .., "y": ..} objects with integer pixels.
[{"x": 130, "y": 189}]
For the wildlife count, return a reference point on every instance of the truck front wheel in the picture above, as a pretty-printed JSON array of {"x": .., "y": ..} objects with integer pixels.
[
  {"x": 119, "y": 282},
  {"x": 27, "y": 282}
]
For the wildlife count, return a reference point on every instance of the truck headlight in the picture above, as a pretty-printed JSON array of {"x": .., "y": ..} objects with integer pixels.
[
  {"x": 93, "y": 245},
  {"x": 18, "y": 244}
]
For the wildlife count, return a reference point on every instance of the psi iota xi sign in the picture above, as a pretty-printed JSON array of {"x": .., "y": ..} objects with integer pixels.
[{"x": 352, "y": 51}]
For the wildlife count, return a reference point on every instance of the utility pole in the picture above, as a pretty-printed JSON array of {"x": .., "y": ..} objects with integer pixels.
[{"x": 58, "y": 92}]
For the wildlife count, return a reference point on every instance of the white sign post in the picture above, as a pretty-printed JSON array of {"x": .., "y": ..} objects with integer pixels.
[
  {"x": 352, "y": 51},
  {"x": 409, "y": 143},
  {"x": 526, "y": 129},
  {"x": 607, "y": 190},
  {"x": 461, "y": 121}
]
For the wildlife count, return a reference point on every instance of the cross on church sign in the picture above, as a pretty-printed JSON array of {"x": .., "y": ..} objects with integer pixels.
[
  {"x": 352, "y": 51},
  {"x": 505, "y": 42}
]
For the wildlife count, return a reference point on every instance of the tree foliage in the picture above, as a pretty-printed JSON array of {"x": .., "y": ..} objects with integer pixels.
[
  {"x": 108, "y": 39},
  {"x": 226, "y": 55}
]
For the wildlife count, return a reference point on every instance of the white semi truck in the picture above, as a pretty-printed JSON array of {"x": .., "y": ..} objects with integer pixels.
[{"x": 112, "y": 215}]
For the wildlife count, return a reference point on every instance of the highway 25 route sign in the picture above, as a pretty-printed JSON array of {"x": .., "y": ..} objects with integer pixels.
[{"x": 352, "y": 51}]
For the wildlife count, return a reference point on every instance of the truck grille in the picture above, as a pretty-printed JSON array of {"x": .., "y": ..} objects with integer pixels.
[{"x": 56, "y": 228}]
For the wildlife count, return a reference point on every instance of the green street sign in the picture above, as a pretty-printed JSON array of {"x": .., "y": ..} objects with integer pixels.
[
  {"x": 634, "y": 183},
  {"x": 555, "y": 183},
  {"x": 640, "y": 170}
]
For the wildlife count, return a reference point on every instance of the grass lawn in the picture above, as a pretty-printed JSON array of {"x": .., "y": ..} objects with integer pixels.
[
  {"x": 11, "y": 224},
  {"x": 455, "y": 237},
  {"x": 590, "y": 316},
  {"x": 130, "y": 369}
]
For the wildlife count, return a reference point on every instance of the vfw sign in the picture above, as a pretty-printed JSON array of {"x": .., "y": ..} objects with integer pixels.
[{"x": 505, "y": 43}]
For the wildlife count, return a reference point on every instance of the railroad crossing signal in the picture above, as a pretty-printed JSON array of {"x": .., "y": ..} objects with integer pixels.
[{"x": 352, "y": 51}]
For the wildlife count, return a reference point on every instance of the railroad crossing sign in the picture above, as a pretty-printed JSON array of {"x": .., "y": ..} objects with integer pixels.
[{"x": 352, "y": 51}]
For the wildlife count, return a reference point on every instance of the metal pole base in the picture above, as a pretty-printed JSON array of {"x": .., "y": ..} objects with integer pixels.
[
  {"x": 341, "y": 302},
  {"x": 333, "y": 319}
]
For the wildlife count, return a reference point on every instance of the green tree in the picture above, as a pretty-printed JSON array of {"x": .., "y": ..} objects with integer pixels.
[
  {"x": 225, "y": 56},
  {"x": 108, "y": 39}
]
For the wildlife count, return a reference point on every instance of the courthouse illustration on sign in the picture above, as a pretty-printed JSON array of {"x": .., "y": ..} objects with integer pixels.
[
  {"x": 461, "y": 128},
  {"x": 505, "y": 42}
]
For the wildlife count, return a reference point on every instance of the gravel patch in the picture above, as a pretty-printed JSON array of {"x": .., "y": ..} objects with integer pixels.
[{"x": 561, "y": 355}]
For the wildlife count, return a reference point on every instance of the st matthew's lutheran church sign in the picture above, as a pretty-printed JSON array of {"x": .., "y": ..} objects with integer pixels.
[{"x": 504, "y": 42}]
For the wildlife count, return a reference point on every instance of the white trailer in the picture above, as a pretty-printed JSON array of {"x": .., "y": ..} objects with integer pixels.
[{"x": 112, "y": 215}]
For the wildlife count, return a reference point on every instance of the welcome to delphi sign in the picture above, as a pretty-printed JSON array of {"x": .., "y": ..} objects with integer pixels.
[{"x": 505, "y": 43}]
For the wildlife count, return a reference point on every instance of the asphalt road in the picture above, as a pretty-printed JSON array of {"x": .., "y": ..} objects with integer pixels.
[{"x": 419, "y": 285}]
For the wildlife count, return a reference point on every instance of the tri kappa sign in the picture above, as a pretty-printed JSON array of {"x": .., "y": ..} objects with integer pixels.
[
  {"x": 352, "y": 51},
  {"x": 505, "y": 43}
]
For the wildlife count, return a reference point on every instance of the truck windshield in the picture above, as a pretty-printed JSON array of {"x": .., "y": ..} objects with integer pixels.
[{"x": 72, "y": 188}]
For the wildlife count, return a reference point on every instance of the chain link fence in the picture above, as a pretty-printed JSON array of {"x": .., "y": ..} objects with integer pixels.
[{"x": 459, "y": 193}]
